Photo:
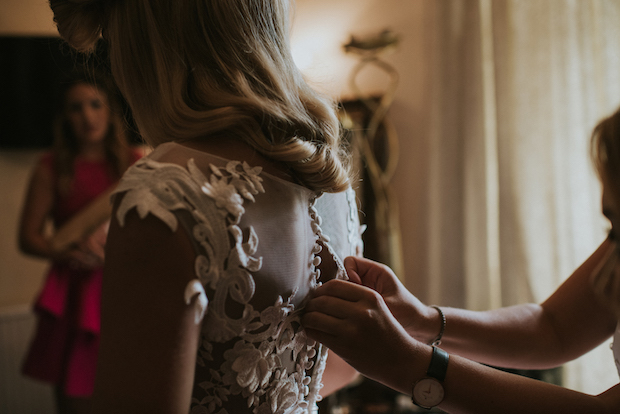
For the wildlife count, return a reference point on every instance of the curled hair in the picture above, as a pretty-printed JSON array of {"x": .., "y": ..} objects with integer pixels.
[
  {"x": 605, "y": 150},
  {"x": 66, "y": 146},
  {"x": 80, "y": 22},
  {"x": 197, "y": 68}
]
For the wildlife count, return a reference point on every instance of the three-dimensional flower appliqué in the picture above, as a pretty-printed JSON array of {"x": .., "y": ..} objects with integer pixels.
[{"x": 254, "y": 366}]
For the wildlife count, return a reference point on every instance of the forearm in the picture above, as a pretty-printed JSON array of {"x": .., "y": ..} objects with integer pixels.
[
  {"x": 514, "y": 337},
  {"x": 354, "y": 321},
  {"x": 78, "y": 257},
  {"x": 518, "y": 337},
  {"x": 471, "y": 388},
  {"x": 571, "y": 322},
  {"x": 476, "y": 389},
  {"x": 37, "y": 246},
  {"x": 36, "y": 214}
]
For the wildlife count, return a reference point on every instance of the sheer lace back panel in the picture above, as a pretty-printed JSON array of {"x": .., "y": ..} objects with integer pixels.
[
  {"x": 616, "y": 348},
  {"x": 257, "y": 240}
]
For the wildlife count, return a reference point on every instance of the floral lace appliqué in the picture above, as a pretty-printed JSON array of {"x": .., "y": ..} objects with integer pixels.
[{"x": 263, "y": 357}]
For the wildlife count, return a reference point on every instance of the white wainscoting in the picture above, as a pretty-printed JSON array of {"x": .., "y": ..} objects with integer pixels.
[{"x": 19, "y": 394}]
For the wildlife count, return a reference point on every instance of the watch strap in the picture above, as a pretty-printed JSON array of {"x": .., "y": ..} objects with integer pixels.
[{"x": 439, "y": 364}]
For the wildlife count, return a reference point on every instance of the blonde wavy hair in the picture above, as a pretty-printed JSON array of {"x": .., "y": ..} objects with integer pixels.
[
  {"x": 198, "y": 68},
  {"x": 605, "y": 150}
]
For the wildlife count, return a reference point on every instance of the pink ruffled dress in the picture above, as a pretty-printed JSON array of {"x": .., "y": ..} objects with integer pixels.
[{"x": 66, "y": 342}]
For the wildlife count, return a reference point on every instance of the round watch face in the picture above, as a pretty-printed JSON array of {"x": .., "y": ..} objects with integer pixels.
[{"x": 428, "y": 393}]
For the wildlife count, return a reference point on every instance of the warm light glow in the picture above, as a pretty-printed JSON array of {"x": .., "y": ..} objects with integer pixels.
[
  {"x": 320, "y": 28},
  {"x": 303, "y": 59},
  {"x": 26, "y": 18}
]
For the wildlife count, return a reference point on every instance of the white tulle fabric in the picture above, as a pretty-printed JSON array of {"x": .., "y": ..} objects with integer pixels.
[{"x": 258, "y": 242}]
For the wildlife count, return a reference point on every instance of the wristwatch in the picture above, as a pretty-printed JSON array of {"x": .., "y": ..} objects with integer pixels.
[{"x": 428, "y": 392}]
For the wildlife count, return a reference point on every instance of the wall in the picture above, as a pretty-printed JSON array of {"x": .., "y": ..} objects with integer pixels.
[
  {"x": 20, "y": 276},
  {"x": 26, "y": 17}
]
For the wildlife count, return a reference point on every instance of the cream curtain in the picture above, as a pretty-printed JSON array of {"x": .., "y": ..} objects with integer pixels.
[{"x": 517, "y": 86}]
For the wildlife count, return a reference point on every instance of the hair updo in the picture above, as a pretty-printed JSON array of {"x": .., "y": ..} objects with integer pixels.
[
  {"x": 196, "y": 68},
  {"x": 79, "y": 22}
]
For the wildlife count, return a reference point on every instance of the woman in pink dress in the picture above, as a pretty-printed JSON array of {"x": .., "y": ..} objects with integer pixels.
[{"x": 90, "y": 154}]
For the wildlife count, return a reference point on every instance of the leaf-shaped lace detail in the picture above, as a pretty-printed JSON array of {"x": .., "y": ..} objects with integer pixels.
[
  {"x": 162, "y": 189},
  {"x": 244, "y": 354},
  {"x": 159, "y": 189},
  {"x": 195, "y": 291}
]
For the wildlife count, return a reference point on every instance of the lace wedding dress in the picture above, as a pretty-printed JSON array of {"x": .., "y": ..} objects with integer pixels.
[{"x": 260, "y": 249}]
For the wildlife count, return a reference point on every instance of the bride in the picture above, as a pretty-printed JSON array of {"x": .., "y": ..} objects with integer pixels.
[{"x": 216, "y": 241}]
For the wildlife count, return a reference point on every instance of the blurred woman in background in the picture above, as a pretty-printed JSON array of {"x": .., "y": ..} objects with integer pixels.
[{"x": 89, "y": 155}]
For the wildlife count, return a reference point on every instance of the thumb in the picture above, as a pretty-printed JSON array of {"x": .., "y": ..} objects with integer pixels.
[
  {"x": 369, "y": 273},
  {"x": 350, "y": 264}
]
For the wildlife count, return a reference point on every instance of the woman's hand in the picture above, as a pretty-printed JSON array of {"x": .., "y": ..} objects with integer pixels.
[
  {"x": 79, "y": 258},
  {"x": 419, "y": 320},
  {"x": 95, "y": 242},
  {"x": 89, "y": 253},
  {"x": 355, "y": 322}
]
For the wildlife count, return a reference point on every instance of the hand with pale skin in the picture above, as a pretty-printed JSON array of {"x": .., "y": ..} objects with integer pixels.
[
  {"x": 95, "y": 242},
  {"x": 355, "y": 322},
  {"x": 353, "y": 319},
  {"x": 79, "y": 258},
  {"x": 420, "y": 321},
  {"x": 87, "y": 254}
]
